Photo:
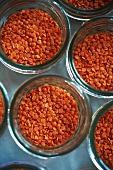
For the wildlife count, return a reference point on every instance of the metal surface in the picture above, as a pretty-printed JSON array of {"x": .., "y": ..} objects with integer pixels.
[{"x": 9, "y": 151}]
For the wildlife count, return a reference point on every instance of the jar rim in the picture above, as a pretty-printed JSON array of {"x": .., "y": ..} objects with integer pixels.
[
  {"x": 29, "y": 69},
  {"x": 4, "y": 94},
  {"x": 82, "y": 13},
  {"x": 90, "y": 138},
  {"x": 84, "y": 9},
  {"x": 71, "y": 68},
  {"x": 22, "y": 164},
  {"x": 54, "y": 150}
]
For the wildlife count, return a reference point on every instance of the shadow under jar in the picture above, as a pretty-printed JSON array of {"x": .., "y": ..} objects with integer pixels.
[
  {"x": 3, "y": 108},
  {"x": 100, "y": 137},
  {"x": 85, "y": 10},
  {"x": 90, "y": 57},
  {"x": 54, "y": 120},
  {"x": 34, "y": 35}
]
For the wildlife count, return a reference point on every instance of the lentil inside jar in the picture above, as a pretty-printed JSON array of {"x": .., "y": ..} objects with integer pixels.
[
  {"x": 104, "y": 138},
  {"x": 31, "y": 37},
  {"x": 93, "y": 59},
  {"x": 88, "y": 4},
  {"x": 1, "y": 108},
  {"x": 48, "y": 116}
]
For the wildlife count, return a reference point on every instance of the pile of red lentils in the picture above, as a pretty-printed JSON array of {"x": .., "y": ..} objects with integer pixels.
[
  {"x": 93, "y": 59},
  {"x": 31, "y": 37},
  {"x": 104, "y": 138},
  {"x": 1, "y": 108},
  {"x": 88, "y": 4},
  {"x": 48, "y": 116}
]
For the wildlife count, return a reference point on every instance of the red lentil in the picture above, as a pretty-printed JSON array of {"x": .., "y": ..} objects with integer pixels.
[
  {"x": 1, "y": 108},
  {"x": 88, "y": 4},
  {"x": 48, "y": 115},
  {"x": 104, "y": 138},
  {"x": 93, "y": 60},
  {"x": 31, "y": 37}
]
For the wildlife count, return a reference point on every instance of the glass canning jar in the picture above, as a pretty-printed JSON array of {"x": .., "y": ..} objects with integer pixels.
[
  {"x": 84, "y": 112},
  {"x": 22, "y": 166},
  {"x": 91, "y": 136},
  {"x": 3, "y": 108},
  {"x": 93, "y": 26},
  {"x": 49, "y": 7},
  {"x": 82, "y": 13}
]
